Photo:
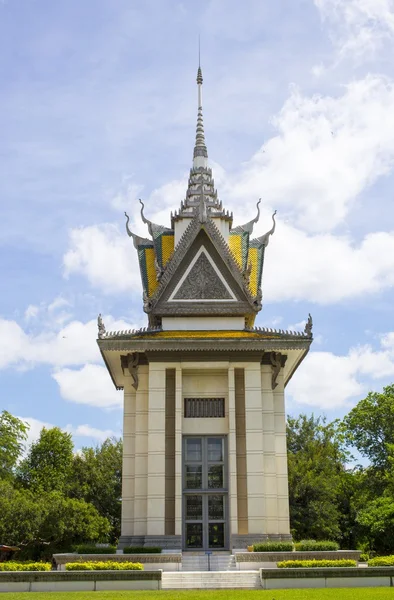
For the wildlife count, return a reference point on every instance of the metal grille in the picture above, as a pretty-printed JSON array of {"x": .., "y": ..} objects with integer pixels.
[{"x": 197, "y": 408}]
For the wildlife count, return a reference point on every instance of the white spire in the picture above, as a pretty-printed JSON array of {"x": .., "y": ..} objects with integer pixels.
[{"x": 200, "y": 154}]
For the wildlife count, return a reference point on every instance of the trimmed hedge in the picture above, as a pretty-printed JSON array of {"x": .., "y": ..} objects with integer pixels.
[
  {"x": 25, "y": 566},
  {"x": 108, "y": 565},
  {"x": 273, "y": 547},
  {"x": 315, "y": 564},
  {"x": 313, "y": 546},
  {"x": 381, "y": 561},
  {"x": 141, "y": 550},
  {"x": 92, "y": 549}
]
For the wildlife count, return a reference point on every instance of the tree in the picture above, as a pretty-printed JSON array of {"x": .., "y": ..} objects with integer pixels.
[
  {"x": 376, "y": 524},
  {"x": 370, "y": 427},
  {"x": 13, "y": 434},
  {"x": 316, "y": 459},
  {"x": 43, "y": 523},
  {"x": 48, "y": 464},
  {"x": 97, "y": 478}
]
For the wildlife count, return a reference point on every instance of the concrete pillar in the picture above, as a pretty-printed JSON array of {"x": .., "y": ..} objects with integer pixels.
[
  {"x": 156, "y": 450},
  {"x": 232, "y": 454},
  {"x": 254, "y": 449},
  {"x": 127, "y": 526},
  {"x": 141, "y": 452},
  {"x": 269, "y": 435},
  {"x": 281, "y": 457},
  {"x": 178, "y": 450}
]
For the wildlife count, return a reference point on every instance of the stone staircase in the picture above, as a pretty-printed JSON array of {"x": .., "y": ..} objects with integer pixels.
[
  {"x": 211, "y": 580},
  {"x": 199, "y": 562}
]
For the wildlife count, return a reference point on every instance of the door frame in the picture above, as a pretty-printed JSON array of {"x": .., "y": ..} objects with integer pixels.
[{"x": 205, "y": 492}]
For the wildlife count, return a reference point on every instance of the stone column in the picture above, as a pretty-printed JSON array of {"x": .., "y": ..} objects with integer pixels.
[
  {"x": 141, "y": 451},
  {"x": 270, "y": 474},
  {"x": 281, "y": 457},
  {"x": 156, "y": 450},
  {"x": 178, "y": 450},
  {"x": 232, "y": 455},
  {"x": 127, "y": 527},
  {"x": 254, "y": 449}
]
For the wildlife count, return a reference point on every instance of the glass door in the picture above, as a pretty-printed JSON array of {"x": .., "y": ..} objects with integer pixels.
[{"x": 205, "y": 493}]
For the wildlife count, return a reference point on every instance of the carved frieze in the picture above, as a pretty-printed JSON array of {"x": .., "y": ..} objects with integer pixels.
[{"x": 202, "y": 283}]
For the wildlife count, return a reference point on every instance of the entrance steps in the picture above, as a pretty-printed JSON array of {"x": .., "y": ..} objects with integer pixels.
[
  {"x": 211, "y": 580},
  {"x": 199, "y": 562}
]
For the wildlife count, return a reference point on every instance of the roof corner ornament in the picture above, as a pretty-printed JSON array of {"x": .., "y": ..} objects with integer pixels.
[
  {"x": 147, "y": 304},
  {"x": 264, "y": 239},
  {"x": 248, "y": 227},
  {"x": 129, "y": 232},
  {"x": 259, "y": 299},
  {"x": 144, "y": 219},
  {"x": 136, "y": 238},
  {"x": 101, "y": 327},
  {"x": 308, "y": 327},
  {"x": 276, "y": 364}
]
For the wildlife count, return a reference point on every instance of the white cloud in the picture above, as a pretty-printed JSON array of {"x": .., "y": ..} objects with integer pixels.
[
  {"x": 99, "y": 434},
  {"x": 358, "y": 27},
  {"x": 331, "y": 268},
  {"x": 78, "y": 431},
  {"x": 106, "y": 258},
  {"x": 74, "y": 344},
  {"x": 326, "y": 152},
  {"x": 31, "y": 312},
  {"x": 90, "y": 385},
  {"x": 327, "y": 381},
  {"x": 128, "y": 195}
]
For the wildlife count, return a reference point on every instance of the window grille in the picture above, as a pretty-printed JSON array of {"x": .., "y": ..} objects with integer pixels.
[{"x": 207, "y": 408}]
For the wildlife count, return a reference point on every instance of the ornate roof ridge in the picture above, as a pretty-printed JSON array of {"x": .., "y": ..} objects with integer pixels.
[
  {"x": 128, "y": 332},
  {"x": 286, "y": 332}
]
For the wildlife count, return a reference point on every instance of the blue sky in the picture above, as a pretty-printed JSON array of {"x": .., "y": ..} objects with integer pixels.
[{"x": 98, "y": 106}]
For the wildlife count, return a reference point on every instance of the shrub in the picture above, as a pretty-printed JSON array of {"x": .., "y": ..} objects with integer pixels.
[
  {"x": 364, "y": 557},
  {"x": 273, "y": 547},
  {"x": 314, "y": 546},
  {"x": 25, "y": 566},
  {"x": 93, "y": 549},
  {"x": 381, "y": 561},
  {"x": 141, "y": 550},
  {"x": 315, "y": 564},
  {"x": 108, "y": 565}
]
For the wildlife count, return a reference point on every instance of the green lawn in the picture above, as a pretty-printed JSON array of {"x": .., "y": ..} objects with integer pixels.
[{"x": 319, "y": 594}]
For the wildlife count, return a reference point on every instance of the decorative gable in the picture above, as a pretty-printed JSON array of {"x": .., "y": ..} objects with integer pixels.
[{"x": 202, "y": 281}]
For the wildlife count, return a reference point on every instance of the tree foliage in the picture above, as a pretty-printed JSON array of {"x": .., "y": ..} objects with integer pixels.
[
  {"x": 49, "y": 461},
  {"x": 316, "y": 468},
  {"x": 13, "y": 435},
  {"x": 370, "y": 426}
]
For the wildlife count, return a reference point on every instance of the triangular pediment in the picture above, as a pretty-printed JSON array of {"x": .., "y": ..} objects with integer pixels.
[
  {"x": 202, "y": 278},
  {"x": 202, "y": 281}
]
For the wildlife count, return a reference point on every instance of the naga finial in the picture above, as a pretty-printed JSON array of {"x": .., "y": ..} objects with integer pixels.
[
  {"x": 248, "y": 227},
  {"x": 257, "y": 217},
  {"x": 101, "y": 327},
  {"x": 137, "y": 240},
  {"x": 264, "y": 239},
  {"x": 308, "y": 326},
  {"x": 129, "y": 233},
  {"x": 144, "y": 220}
]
